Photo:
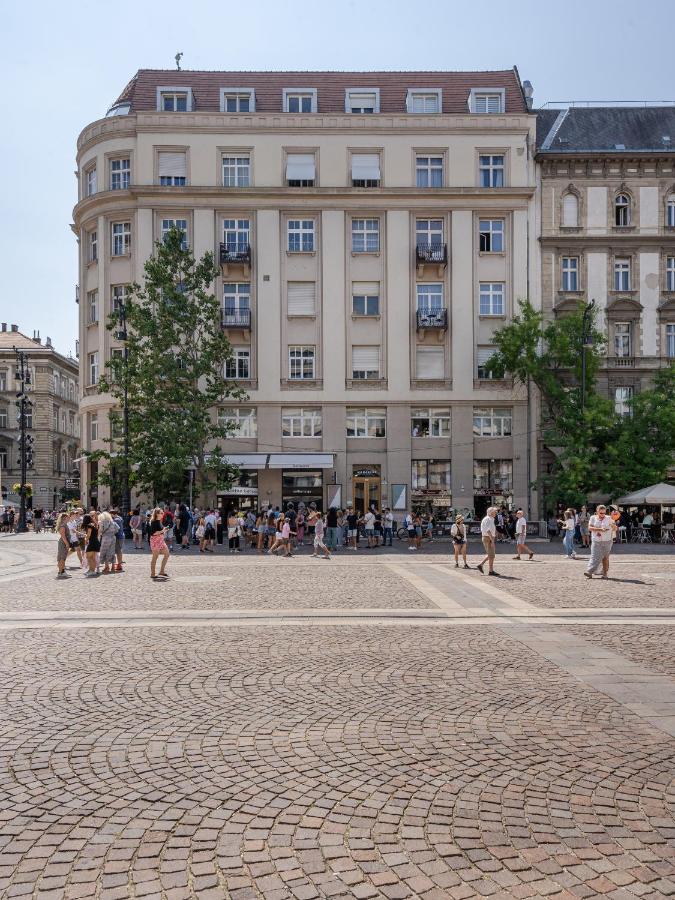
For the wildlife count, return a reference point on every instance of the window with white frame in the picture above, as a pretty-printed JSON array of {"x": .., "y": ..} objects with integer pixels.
[
  {"x": 303, "y": 422},
  {"x": 121, "y": 238},
  {"x": 300, "y": 101},
  {"x": 236, "y": 170},
  {"x": 491, "y": 235},
  {"x": 428, "y": 171},
  {"x": 429, "y": 363},
  {"x": 362, "y": 100},
  {"x": 492, "y": 422},
  {"x": 301, "y": 362},
  {"x": 426, "y": 422},
  {"x": 366, "y": 170},
  {"x": 430, "y": 474},
  {"x": 92, "y": 307},
  {"x": 570, "y": 273},
  {"x": 622, "y": 210},
  {"x": 623, "y": 397},
  {"x": 239, "y": 364},
  {"x": 93, "y": 427},
  {"x": 3, "y": 379},
  {"x": 670, "y": 341},
  {"x": 491, "y": 298},
  {"x": 423, "y": 101},
  {"x": 486, "y": 102},
  {"x": 300, "y": 170},
  {"x": 174, "y": 101},
  {"x": 366, "y": 422},
  {"x": 365, "y": 235},
  {"x": 670, "y": 211},
  {"x": 491, "y": 169},
  {"x": 118, "y": 296},
  {"x": 120, "y": 174},
  {"x": 236, "y": 235},
  {"x": 92, "y": 365},
  {"x": 240, "y": 421},
  {"x": 179, "y": 225},
  {"x": 429, "y": 234},
  {"x": 430, "y": 297},
  {"x": 3, "y": 417},
  {"x": 172, "y": 168},
  {"x": 483, "y": 355},
  {"x": 301, "y": 298},
  {"x": 670, "y": 273},
  {"x": 93, "y": 246},
  {"x": 29, "y": 419},
  {"x": 570, "y": 211},
  {"x": 623, "y": 339},
  {"x": 622, "y": 274},
  {"x": 366, "y": 363},
  {"x": 235, "y": 101},
  {"x": 236, "y": 302},
  {"x": 90, "y": 181},
  {"x": 56, "y": 418},
  {"x": 301, "y": 235},
  {"x": 365, "y": 298}
]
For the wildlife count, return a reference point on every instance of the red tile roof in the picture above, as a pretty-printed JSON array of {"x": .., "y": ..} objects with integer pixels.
[{"x": 141, "y": 91}]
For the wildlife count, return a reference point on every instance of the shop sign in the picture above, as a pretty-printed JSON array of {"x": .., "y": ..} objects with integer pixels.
[
  {"x": 366, "y": 472},
  {"x": 43, "y": 490},
  {"x": 72, "y": 484},
  {"x": 237, "y": 491},
  {"x": 303, "y": 491},
  {"x": 442, "y": 501}
]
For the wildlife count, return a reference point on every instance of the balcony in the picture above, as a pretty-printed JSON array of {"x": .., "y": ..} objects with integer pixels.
[
  {"x": 235, "y": 318},
  {"x": 431, "y": 255},
  {"x": 235, "y": 255},
  {"x": 637, "y": 362},
  {"x": 433, "y": 319}
]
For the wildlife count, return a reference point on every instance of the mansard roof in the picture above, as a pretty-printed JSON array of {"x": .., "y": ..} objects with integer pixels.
[{"x": 606, "y": 129}]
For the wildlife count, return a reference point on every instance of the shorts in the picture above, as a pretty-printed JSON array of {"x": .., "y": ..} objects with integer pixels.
[
  {"x": 210, "y": 533},
  {"x": 369, "y": 532},
  {"x": 318, "y": 542},
  {"x": 62, "y": 552},
  {"x": 521, "y": 537},
  {"x": 411, "y": 532},
  {"x": 352, "y": 532},
  {"x": 418, "y": 531}
]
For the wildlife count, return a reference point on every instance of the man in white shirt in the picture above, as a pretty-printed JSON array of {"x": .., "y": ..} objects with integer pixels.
[
  {"x": 488, "y": 533},
  {"x": 369, "y": 527},
  {"x": 601, "y": 528},
  {"x": 521, "y": 535}
]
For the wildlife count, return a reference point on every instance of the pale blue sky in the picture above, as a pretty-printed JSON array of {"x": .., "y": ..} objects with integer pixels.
[{"x": 64, "y": 63}]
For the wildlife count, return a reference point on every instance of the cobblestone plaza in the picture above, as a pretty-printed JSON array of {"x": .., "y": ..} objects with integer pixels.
[{"x": 370, "y": 726}]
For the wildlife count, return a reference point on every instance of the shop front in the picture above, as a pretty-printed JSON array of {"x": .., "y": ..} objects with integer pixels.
[
  {"x": 492, "y": 484},
  {"x": 242, "y": 495},
  {"x": 366, "y": 488},
  {"x": 431, "y": 488},
  {"x": 277, "y": 479},
  {"x": 302, "y": 486}
]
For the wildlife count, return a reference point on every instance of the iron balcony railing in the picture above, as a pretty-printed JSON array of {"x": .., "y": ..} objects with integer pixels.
[
  {"x": 235, "y": 318},
  {"x": 235, "y": 253},
  {"x": 432, "y": 318},
  {"x": 431, "y": 253}
]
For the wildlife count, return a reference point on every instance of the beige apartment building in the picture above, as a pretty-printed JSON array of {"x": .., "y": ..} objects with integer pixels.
[
  {"x": 373, "y": 229},
  {"x": 53, "y": 421}
]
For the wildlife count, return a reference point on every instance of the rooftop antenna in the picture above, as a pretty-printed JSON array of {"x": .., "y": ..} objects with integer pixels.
[{"x": 178, "y": 57}]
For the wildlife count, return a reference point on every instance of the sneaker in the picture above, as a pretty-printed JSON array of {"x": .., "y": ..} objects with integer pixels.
[
  {"x": 64, "y": 575},
  {"x": 516, "y": 557},
  {"x": 457, "y": 565},
  {"x": 480, "y": 568},
  {"x": 587, "y": 575},
  {"x": 531, "y": 555},
  {"x": 466, "y": 566},
  {"x": 496, "y": 574}
]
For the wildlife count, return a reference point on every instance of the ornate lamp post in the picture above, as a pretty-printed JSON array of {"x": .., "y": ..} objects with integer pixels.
[
  {"x": 122, "y": 335},
  {"x": 23, "y": 376}
]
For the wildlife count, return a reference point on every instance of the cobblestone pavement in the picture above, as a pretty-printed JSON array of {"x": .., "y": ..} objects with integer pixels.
[{"x": 300, "y": 759}]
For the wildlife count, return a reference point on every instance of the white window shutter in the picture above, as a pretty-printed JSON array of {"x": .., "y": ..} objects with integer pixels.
[
  {"x": 366, "y": 358},
  {"x": 301, "y": 298},
  {"x": 430, "y": 362},
  {"x": 483, "y": 354},
  {"x": 570, "y": 211},
  {"x": 300, "y": 167},
  {"x": 367, "y": 288},
  {"x": 172, "y": 164},
  {"x": 365, "y": 166}
]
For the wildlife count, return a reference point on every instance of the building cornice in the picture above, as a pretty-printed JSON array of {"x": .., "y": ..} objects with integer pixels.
[{"x": 609, "y": 241}]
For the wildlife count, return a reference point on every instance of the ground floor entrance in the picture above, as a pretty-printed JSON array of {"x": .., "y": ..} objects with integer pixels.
[{"x": 366, "y": 488}]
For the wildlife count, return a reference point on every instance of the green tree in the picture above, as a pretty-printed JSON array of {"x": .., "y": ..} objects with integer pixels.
[{"x": 174, "y": 376}]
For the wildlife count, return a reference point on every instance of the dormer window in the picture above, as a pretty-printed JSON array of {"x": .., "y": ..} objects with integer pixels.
[
  {"x": 622, "y": 211},
  {"x": 362, "y": 100},
  {"x": 485, "y": 102},
  {"x": 237, "y": 100},
  {"x": 174, "y": 99},
  {"x": 424, "y": 101},
  {"x": 300, "y": 100}
]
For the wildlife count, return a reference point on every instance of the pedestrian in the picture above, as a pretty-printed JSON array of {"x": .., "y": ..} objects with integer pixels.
[
  {"x": 286, "y": 534},
  {"x": 521, "y": 535},
  {"x": 331, "y": 528},
  {"x": 135, "y": 524},
  {"x": 210, "y": 522},
  {"x": 92, "y": 544},
  {"x": 500, "y": 525},
  {"x": 458, "y": 535},
  {"x": 417, "y": 524},
  {"x": 233, "y": 532},
  {"x": 37, "y": 520},
  {"x": 602, "y": 530},
  {"x": 584, "y": 519},
  {"x": 488, "y": 532},
  {"x": 119, "y": 539},
  {"x": 73, "y": 523},
  {"x": 409, "y": 525},
  {"x": 352, "y": 528},
  {"x": 158, "y": 545},
  {"x": 107, "y": 531},
  {"x": 63, "y": 548},
  {"x": 369, "y": 528},
  {"x": 278, "y": 534},
  {"x": 568, "y": 524},
  {"x": 318, "y": 536},
  {"x": 200, "y": 534},
  {"x": 388, "y": 522},
  {"x": 430, "y": 529}
]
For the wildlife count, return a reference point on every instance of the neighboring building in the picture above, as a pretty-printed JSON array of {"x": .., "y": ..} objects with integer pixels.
[
  {"x": 608, "y": 232},
  {"x": 54, "y": 420},
  {"x": 373, "y": 230}
]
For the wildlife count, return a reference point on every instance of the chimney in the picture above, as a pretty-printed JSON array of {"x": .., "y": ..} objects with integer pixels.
[
  {"x": 48, "y": 341},
  {"x": 4, "y": 326},
  {"x": 36, "y": 337},
  {"x": 528, "y": 91},
  {"x": 15, "y": 327}
]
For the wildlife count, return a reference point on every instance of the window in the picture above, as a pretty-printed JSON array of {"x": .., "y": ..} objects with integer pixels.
[
  {"x": 29, "y": 419},
  {"x": 362, "y": 100},
  {"x": 92, "y": 307},
  {"x": 622, "y": 210},
  {"x": 570, "y": 273},
  {"x": 300, "y": 235},
  {"x": 492, "y": 422},
  {"x": 172, "y": 168},
  {"x": 299, "y": 423},
  {"x": 241, "y": 422},
  {"x": 93, "y": 246},
  {"x": 365, "y": 363},
  {"x": 237, "y": 170},
  {"x": 491, "y": 235},
  {"x": 234, "y": 100},
  {"x": 491, "y": 170},
  {"x": 93, "y": 427},
  {"x": 301, "y": 297},
  {"x": 622, "y": 339},
  {"x": 429, "y": 235},
  {"x": 3, "y": 379},
  {"x": 236, "y": 235},
  {"x": 175, "y": 101},
  {"x": 366, "y": 170},
  {"x": 427, "y": 422},
  {"x": 491, "y": 302},
  {"x": 300, "y": 101},
  {"x": 365, "y": 235},
  {"x": 670, "y": 341},
  {"x": 670, "y": 211},
  {"x": 483, "y": 354},
  {"x": 424, "y": 101},
  {"x": 301, "y": 363},
  {"x": 493, "y": 475},
  {"x": 429, "y": 298},
  {"x": 431, "y": 474},
  {"x": 90, "y": 181},
  {"x": 236, "y": 303},
  {"x": 3, "y": 417},
  {"x": 623, "y": 397},
  {"x": 570, "y": 211},
  {"x": 239, "y": 364},
  {"x": 670, "y": 273},
  {"x": 430, "y": 363},
  {"x": 121, "y": 238},
  {"x": 118, "y": 296},
  {"x": 429, "y": 171},
  {"x": 486, "y": 102},
  {"x": 365, "y": 298},
  {"x": 120, "y": 174},
  {"x": 300, "y": 170},
  {"x": 622, "y": 275},
  {"x": 366, "y": 422},
  {"x": 180, "y": 225},
  {"x": 92, "y": 361}
]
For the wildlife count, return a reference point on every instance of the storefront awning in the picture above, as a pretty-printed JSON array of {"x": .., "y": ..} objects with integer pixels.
[
  {"x": 300, "y": 461},
  {"x": 247, "y": 460}
]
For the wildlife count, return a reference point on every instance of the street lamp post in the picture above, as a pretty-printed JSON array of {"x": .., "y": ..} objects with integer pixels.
[
  {"x": 126, "y": 489},
  {"x": 586, "y": 343},
  {"x": 23, "y": 377}
]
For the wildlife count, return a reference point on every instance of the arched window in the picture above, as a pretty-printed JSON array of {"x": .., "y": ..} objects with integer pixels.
[
  {"x": 622, "y": 210},
  {"x": 670, "y": 211},
  {"x": 570, "y": 211}
]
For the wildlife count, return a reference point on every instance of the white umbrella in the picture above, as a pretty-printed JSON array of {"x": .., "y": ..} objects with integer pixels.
[{"x": 655, "y": 495}]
